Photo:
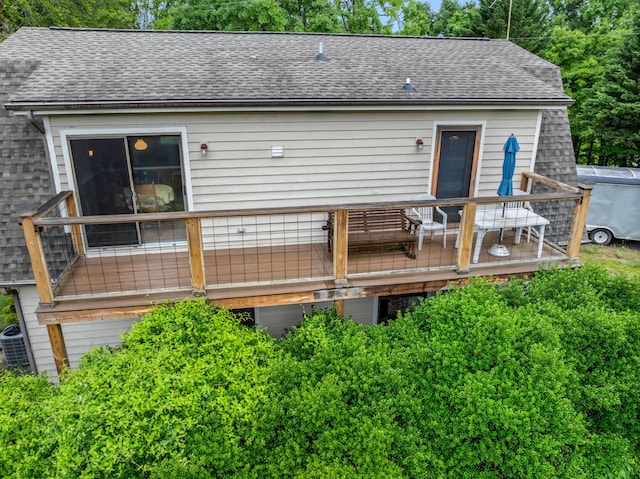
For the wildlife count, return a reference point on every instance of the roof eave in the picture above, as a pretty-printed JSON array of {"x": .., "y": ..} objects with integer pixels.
[{"x": 136, "y": 104}]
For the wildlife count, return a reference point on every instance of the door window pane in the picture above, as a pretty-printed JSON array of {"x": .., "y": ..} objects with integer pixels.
[
  {"x": 156, "y": 160},
  {"x": 126, "y": 175},
  {"x": 102, "y": 179}
]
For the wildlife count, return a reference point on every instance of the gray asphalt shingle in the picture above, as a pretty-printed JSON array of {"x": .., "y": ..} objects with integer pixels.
[{"x": 107, "y": 67}]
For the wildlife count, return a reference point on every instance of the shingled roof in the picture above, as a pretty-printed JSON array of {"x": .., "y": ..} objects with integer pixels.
[{"x": 80, "y": 68}]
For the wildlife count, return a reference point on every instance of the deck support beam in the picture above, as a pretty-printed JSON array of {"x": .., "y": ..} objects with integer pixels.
[
  {"x": 58, "y": 347},
  {"x": 340, "y": 247},
  {"x": 38, "y": 260},
  {"x": 340, "y": 254},
  {"x": 466, "y": 237},
  {"x": 196, "y": 255},
  {"x": 578, "y": 222},
  {"x": 76, "y": 230}
]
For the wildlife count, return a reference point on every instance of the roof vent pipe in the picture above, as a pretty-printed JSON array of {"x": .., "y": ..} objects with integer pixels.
[
  {"x": 320, "y": 56},
  {"x": 408, "y": 87}
]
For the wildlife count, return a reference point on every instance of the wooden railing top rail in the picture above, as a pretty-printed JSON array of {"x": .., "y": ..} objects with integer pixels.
[
  {"x": 183, "y": 215},
  {"x": 44, "y": 209},
  {"x": 551, "y": 182}
]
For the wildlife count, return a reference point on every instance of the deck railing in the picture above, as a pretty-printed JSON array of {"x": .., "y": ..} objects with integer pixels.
[{"x": 198, "y": 251}]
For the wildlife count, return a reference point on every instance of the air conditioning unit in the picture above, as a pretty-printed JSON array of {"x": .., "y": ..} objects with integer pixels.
[{"x": 13, "y": 346}]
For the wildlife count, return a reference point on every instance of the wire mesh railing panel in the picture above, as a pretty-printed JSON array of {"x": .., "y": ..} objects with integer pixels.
[
  {"x": 127, "y": 255},
  {"x": 58, "y": 246},
  {"x": 265, "y": 249},
  {"x": 134, "y": 257},
  {"x": 521, "y": 232},
  {"x": 399, "y": 240}
]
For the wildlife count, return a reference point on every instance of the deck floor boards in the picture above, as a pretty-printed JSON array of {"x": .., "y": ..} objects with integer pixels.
[{"x": 239, "y": 268}]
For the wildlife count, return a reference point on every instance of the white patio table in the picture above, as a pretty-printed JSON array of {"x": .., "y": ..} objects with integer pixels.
[{"x": 506, "y": 218}]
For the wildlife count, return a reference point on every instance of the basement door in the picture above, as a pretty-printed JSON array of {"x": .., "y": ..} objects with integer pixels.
[
  {"x": 108, "y": 173},
  {"x": 455, "y": 165}
]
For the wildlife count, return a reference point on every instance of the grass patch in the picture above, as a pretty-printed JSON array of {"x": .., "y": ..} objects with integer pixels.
[{"x": 617, "y": 258}]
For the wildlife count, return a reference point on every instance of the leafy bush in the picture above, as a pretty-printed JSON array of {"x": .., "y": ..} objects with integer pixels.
[
  {"x": 7, "y": 311},
  {"x": 532, "y": 379},
  {"x": 176, "y": 400}
]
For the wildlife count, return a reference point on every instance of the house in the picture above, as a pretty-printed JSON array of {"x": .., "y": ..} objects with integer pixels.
[{"x": 148, "y": 166}]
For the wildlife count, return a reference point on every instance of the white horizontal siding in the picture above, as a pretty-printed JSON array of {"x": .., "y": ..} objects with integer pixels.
[
  {"x": 330, "y": 157},
  {"x": 267, "y": 230},
  {"x": 360, "y": 310},
  {"x": 335, "y": 157},
  {"x": 276, "y": 319},
  {"x": 38, "y": 336},
  {"x": 81, "y": 337}
]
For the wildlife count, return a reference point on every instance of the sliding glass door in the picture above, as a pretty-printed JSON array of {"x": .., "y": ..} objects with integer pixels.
[{"x": 125, "y": 175}]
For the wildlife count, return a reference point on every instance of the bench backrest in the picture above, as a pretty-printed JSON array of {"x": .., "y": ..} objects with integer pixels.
[{"x": 375, "y": 220}]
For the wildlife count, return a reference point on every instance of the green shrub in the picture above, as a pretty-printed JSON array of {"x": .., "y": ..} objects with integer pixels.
[
  {"x": 7, "y": 311},
  {"x": 24, "y": 446},
  {"x": 177, "y": 399},
  {"x": 532, "y": 379}
]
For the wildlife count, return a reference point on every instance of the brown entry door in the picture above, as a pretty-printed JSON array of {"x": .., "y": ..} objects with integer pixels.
[{"x": 455, "y": 165}]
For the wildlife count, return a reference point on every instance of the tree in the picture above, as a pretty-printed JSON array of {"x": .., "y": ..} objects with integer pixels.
[
  {"x": 416, "y": 18},
  {"x": 580, "y": 58},
  {"x": 584, "y": 40},
  {"x": 584, "y": 15},
  {"x": 349, "y": 16},
  {"x": 247, "y": 15},
  {"x": 311, "y": 16},
  {"x": 66, "y": 13},
  {"x": 455, "y": 20},
  {"x": 615, "y": 103},
  {"x": 530, "y": 20}
]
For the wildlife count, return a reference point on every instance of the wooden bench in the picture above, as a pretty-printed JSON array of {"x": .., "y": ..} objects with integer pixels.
[{"x": 378, "y": 228}]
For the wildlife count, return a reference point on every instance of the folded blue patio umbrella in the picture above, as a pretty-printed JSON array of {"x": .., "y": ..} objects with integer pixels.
[{"x": 510, "y": 148}]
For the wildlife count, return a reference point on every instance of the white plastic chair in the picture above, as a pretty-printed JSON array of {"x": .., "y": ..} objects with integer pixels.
[
  {"x": 427, "y": 222},
  {"x": 520, "y": 204}
]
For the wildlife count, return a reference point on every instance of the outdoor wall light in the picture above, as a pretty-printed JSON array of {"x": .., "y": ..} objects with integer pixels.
[
  {"x": 203, "y": 149},
  {"x": 419, "y": 144}
]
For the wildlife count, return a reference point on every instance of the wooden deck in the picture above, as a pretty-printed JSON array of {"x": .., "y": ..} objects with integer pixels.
[
  {"x": 133, "y": 274},
  {"x": 117, "y": 283}
]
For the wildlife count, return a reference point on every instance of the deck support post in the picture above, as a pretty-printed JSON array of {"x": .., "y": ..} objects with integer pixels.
[
  {"x": 196, "y": 255},
  {"x": 76, "y": 230},
  {"x": 578, "y": 222},
  {"x": 524, "y": 183},
  {"x": 466, "y": 237},
  {"x": 38, "y": 260},
  {"x": 58, "y": 347},
  {"x": 339, "y": 305},
  {"x": 340, "y": 247}
]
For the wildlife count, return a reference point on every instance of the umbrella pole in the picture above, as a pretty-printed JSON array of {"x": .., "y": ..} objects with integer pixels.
[{"x": 499, "y": 249}]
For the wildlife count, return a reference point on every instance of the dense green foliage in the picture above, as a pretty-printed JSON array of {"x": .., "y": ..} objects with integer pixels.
[
  {"x": 532, "y": 379},
  {"x": 177, "y": 399},
  {"x": 66, "y": 13},
  {"x": 7, "y": 311}
]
